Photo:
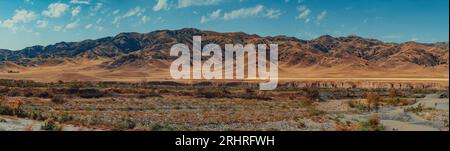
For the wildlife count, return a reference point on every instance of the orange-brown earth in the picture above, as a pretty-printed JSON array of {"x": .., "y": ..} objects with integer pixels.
[{"x": 135, "y": 57}]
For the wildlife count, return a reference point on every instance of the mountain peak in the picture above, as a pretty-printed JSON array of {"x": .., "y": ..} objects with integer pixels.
[{"x": 324, "y": 50}]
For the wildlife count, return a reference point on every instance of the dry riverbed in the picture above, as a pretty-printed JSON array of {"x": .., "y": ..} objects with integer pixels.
[{"x": 433, "y": 117}]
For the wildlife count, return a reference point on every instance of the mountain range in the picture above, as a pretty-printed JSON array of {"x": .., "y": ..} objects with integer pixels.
[{"x": 137, "y": 53}]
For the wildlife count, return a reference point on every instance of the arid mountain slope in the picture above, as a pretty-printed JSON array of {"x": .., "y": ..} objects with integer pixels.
[{"x": 146, "y": 55}]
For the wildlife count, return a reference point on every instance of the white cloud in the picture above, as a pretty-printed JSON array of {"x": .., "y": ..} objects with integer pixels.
[
  {"x": 257, "y": 11},
  {"x": 86, "y": 2},
  {"x": 161, "y": 5},
  {"x": 244, "y": 13},
  {"x": 99, "y": 28},
  {"x": 20, "y": 16},
  {"x": 158, "y": 20},
  {"x": 145, "y": 19},
  {"x": 307, "y": 20},
  {"x": 71, "y": 25},
  {"x": 116, "y": 20},
  {"x": 322, "y": 15},
  {"x": 31, "y": 2},
  {"x": 76, "y": 10},
  {"x": 213, "y": 16},
  {"x": 24, "y": 16},
  {"x": 42, "y": 23},
  {"x": 9, "y": 24},
  {"x": 97, "y": 7},
  {"x": 137, "y": 11},
  {"x": 88, "y": 26},
  {"x": 116, "y": 12},
  {"x": 273, "y": 13},
  {"x": 415, "y": 39},
  {"x": 166, "y": 5},
  {"x": 99, "y": 21},
  {"x": 304, "y": 13},
  {"x": 187, "y": 3},
  {"x": 95, "y": 27},
  {"x": 55, "y": 10}
]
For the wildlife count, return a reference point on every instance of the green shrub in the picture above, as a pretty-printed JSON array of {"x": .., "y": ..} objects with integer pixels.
[
  {"x": 6, "y": 110},
  {"x": 357, "y": 105},
  {"x": 372, "y": 124},
  {"x": 417, "y": 109},
  {"x": 64, "y": 118}
]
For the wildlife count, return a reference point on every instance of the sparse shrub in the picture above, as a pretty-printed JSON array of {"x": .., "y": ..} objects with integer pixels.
[
  {"x": 446, "y": 123},
  {"x": 394, "y": 93},
  {"x": 357, "y": 105},
  {"x": 314, "y": 112},
  {"x": 372, "y": 124},
  {"x": 398, "y": 101},
  {"x": 249, "y": 91},
  {"x": 64, "y": 118},
  {"x": 306, "y": 103},
  {"x": 213, "y": 93},
  {"x": 90, "y": 93},
  {"x": 124, "y": 124},
  {"x": 58, "y": 100},
  {"x": 252, "y": 94},
  {"x": 143, "y": 95},
  {"x": 4, "y": 90},
  {"x": 418, "y": 109},
  {"x": 160, "y": 127},
  {"x": 444, "y": 95},
  {"x": 51, "y": 125},
  {"x": 13, "y": 108},
  {"x": 28, "y": 93},
  {"x": 36, "y": 115},
  {"x": 164, "y": 91},
  {"x": 14, "y": 93},
  {"x": 373, "y": 100},
  {"x": 312, "y": 93},
  {"x": 345, "y": 126},
  {"x": 45, "y": 95}
]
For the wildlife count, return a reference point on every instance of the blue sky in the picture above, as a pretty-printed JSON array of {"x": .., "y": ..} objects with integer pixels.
[{"x": 26, "y": 23}]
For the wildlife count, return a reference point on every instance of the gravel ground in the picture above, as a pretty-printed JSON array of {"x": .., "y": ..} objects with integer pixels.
[{"x": 8, "y": 123}]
